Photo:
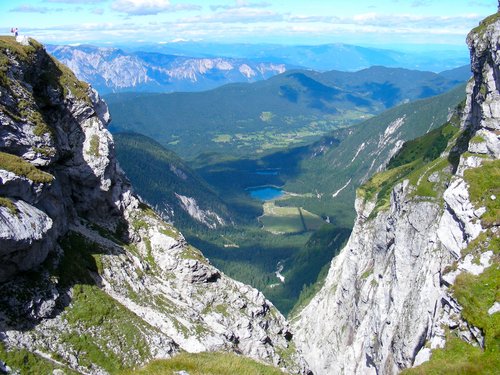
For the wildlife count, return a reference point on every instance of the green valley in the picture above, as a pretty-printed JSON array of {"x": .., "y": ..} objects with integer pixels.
[{"x": 279, "y": 246}]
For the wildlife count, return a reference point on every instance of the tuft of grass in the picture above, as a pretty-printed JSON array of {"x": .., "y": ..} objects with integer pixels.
[
  {"x": 381, "y": 184},
  {"x": 367, "y": 273},
  {"x": 190, "y": 252},
  {"x": 55, "y": 73},
  {"x": 416, "y": 161},
  {"x": 23, "y": 53},
  {"x": 477, "y": 139},
  {"x": 68, "y": 81},
  {"x": 58, "y": 75},
  {"x": 483, "y": 25},
  {"x": 425, "y": 148},
  {"x": 7, "y": 203},
  {"x": 111, "y": 335},
  {"x": 45, "y": 151},
  {"x": 41, "y": 127},
  {"x": 477, "y": 294},
  {"x": 457, "y": 358},
  {"x": 28, "y": 363},
  {"x": 484, "y": 190},
  {"x": 206, "y": 364},
  {"x": 28, "y": 112},
  {"x": 21, "y": 167},
  {"x": 94, "y": 146},
  {"x": 484, "y": 242}
]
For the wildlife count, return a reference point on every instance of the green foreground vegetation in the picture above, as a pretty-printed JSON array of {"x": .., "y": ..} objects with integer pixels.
[
  {"x": 206, "y": 364},
  {"x": 485, "y": 191},
  {"x": 28, "y": 363},
  {"x": 99, "y": 329},
  {"x": 21, "y": 167},
  {"x": 416, "y": 162}
]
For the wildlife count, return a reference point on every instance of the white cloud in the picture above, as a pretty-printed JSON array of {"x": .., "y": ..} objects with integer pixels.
[
  {"x": 239, "y": 4},
  {"x": 34, "y": 9},
  {"x": 149, "y": 7},
  {"x": 238, "y": 16},
  {"x": 75, "y": 1}
]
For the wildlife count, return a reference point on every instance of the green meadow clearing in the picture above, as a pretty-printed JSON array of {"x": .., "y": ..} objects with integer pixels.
[{"x": 281, "y": 220}]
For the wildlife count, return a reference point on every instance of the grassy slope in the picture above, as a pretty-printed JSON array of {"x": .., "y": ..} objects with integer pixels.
[
  {"x": 100, "y": 329},
  {"x": 206, "y": 364}
]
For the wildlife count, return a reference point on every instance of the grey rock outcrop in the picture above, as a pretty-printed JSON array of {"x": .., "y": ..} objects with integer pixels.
[
  {"x": 68, "y": 214},
  {"x": 65, "y": 136},
  {"x": 387, "y": 299}
]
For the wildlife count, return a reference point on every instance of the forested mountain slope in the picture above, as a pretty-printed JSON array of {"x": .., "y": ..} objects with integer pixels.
[
  {"x": 354, "y": 154},
  {"x": 293, "y": 108}
]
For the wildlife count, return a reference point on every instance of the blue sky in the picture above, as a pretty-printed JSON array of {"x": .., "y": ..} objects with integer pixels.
[{"x": 362, "y": 22}]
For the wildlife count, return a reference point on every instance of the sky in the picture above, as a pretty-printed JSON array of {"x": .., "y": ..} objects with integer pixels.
[{"x": 361, "y": 22}]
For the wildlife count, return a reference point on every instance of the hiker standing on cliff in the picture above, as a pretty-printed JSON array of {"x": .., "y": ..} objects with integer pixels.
[{"x": 15, "y": 31}]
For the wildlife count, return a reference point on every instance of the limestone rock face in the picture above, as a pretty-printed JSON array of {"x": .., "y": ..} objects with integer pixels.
[
  {"x": 483, "y": 100},
  {"x": 25, "y": 238},
  {"x": 47, "y": 125},
  {"x": 386, "y": 298},
  {"x": 110, "y": 276}
]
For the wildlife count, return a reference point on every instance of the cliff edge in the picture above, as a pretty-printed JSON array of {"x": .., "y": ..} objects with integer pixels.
[{"x": 417, "y": 282}]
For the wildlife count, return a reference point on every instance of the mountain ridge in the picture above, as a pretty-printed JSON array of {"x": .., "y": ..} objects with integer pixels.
[
  {"x": 114, "y": 70},
  {"x": 322, "y": 57},
  {"x": 286, "y": 110},
  {"x": 416, "y": 285}
]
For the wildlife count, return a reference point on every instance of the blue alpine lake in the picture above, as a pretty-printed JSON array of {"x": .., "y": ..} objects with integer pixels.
[
  {"x": 265, "y": 193},
  {"x": 267, "y": 172}
]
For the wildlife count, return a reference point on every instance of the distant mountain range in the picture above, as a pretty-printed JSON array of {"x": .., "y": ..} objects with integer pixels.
[
  {"x": 334, "y": 56},
  {"x": 203, "y": 66},
  {"x": 114, "y": 70},
  {"x": 292, "y": 108}
]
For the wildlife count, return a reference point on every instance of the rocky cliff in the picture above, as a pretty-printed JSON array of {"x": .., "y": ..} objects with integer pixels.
[
  {"x": 419, "y": 275},
  {"x": 92, "y": 280},
  {"x": 114, "y": 70}
]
